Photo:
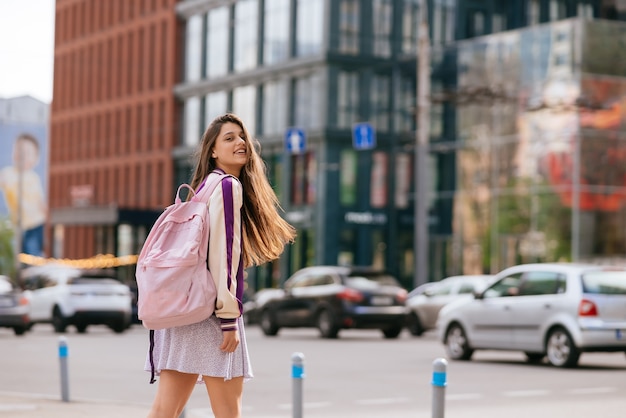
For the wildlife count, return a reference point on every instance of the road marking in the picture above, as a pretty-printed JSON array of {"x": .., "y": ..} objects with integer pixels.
[
  {"x": 524, "y": 393},
  {"x": 464, "y": 397},
  {"x": 592, "y": 391},
  {"x": 382, "y": 401}
]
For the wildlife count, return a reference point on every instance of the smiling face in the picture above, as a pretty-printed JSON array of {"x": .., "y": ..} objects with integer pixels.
[{"x": 230, "y": 151}]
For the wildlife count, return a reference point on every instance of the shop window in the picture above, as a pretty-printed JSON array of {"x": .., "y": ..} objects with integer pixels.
[
  {"x": 303, "y": 173},
  {"x": 348, "y": 167},
  {"x": 378, "y": 182}
]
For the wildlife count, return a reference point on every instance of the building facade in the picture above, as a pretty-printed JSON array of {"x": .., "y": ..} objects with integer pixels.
[
  {"x": 113, "y": 124},
  {"x": 328, "y": 87},
  {"x": 321, "y": 68}
]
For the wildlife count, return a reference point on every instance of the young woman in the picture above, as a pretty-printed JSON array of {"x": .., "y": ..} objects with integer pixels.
[{"x": 246, "y": 229}]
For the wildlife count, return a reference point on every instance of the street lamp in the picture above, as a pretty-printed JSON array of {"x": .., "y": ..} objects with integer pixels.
[{"x": 420, "y": 239}]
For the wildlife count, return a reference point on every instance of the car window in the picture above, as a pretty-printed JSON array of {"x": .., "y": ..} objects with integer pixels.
[
  {"x": 507, "y": 286},
  {"x": 467, "y": 287},
  {"x": 300, "y": 281},
  {"x": 380, "y": 278},
  {"x": 605, "y": 282},
  {"x": 317, "y": 280},
  {"x": 440, "y": 289},
  {"x": 542, "y": 283}
]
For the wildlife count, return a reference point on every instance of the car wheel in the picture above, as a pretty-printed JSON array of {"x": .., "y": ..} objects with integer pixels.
[
  {"x": 561, "y": 350},
  {"x": 81, "y": 328},
  {"x": 118, "y": 327},
  {"x": 326, "y": 324},
  {"x": 456, "y": 343},
  {"x": 58, "y": 321},
  {"x": 534, "y": 358},
  {"x": 20, "y": 330},
  {"x": 414, "y": 325},
  {"x": 392, "y": 332},
  {"x": 268, "y": 325}
]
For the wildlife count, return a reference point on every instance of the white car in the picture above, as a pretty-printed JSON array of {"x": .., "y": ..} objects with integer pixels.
[
  {"x": 65, "y": 296},
  {"x": 423, "y": 307},
  {"x": 553, "y": 310}
]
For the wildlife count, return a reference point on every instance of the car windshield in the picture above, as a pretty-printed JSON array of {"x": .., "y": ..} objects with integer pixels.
[
  {"x": 371, "y": 281},
  {"x": 605, "y": 282}
]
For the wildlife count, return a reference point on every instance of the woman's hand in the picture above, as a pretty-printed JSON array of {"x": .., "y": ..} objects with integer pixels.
[{"x": 230, "y": 341}]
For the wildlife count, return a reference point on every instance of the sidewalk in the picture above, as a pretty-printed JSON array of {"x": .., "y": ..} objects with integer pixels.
[{"x": 20, "y": 406}]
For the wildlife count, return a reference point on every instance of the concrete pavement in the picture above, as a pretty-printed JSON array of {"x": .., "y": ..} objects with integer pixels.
[{"x": 26, "y": 406}]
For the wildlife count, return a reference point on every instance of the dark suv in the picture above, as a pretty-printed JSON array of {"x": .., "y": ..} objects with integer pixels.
[{"x": 332, "y": 298}]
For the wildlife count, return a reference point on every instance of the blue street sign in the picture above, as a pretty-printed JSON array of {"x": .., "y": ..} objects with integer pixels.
[
  {"x": 363, "y": 136},
  {"x": 295, "y": 140}
]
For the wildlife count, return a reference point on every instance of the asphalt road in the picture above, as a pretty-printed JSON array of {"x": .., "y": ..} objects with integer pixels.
[{"x": 360, "y": 374}]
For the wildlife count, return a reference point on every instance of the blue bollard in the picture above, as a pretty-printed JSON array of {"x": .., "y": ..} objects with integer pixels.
[
  {"x": 439, "y": 387},
  {"x": 297, "y": 374},
  {"x": 65, "y": 387}
]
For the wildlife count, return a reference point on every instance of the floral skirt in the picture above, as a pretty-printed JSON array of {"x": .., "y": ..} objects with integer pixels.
[{"x": 195, "y": 349}]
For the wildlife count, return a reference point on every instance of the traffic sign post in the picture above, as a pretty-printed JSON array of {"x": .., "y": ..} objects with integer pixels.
[
  {"x": 363, "y": 136},
  {"x": 295, "y": 140}
]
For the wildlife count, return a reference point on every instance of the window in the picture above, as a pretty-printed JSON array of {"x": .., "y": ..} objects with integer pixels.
[
  {"x": 507, "y": 286},
  {"x": 303, "y": 175},
  {"x": 382, "y": 15},
  {"x": 532, "y": 12},
  {"x": 476, "y": 23},
  {"x": 307, "y": 101},
  {"x": 541, "y": 283},
  {"x": 348, "y": 167},
  {"x": 309, "y": 27},
  {"x": 443, "y": 22},
  {"x": 380, "y": 111},
  {"x": 217, "y": 42},
  {"x": 349, "y": 27},
  {"x": 405, "y": 104},
  {"x": 192, "y": 128},
  {"x": 215, "y": 104},
  {"x": 245, "y": 33},
  {"x": 275, "y": 109},
  {"x": 347, "y": 99},
  {"x": 193, "y": 51},
  {"x": 558, "y": 9},
  {"x": 244, "y": 105},
  {"x": 378, "y": 181},
  {"x": 276, "y": 36},
  {"x": 410, "y": 25}
]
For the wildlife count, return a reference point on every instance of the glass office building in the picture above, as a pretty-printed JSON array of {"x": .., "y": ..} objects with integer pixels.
[{"x": 515, "y": 119}]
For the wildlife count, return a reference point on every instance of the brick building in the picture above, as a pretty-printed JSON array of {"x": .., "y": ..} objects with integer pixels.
[{"x": 113, "y": 123}]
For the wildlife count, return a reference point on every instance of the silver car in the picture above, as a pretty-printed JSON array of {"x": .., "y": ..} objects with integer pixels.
[
  {"x": 553, "y": 310},
  {"x": 423, "y": 307}
]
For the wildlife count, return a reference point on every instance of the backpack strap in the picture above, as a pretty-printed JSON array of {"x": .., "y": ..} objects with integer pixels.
[{"x": 152, "y": 371}]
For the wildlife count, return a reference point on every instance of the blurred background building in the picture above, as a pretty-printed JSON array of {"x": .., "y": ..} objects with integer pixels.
[{"x": 526, "y": 125}]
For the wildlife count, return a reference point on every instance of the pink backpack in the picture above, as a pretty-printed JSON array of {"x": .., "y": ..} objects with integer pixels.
[{"x": 174, "y": 284}]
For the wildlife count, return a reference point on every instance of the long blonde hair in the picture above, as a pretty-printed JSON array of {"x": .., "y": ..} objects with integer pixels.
[{"x": 265, "y": 231}]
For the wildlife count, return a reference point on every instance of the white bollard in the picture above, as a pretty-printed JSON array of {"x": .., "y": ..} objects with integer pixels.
[
  {"x": 297, "y": 374},
  {"x": 439, "y": 387},
  {"x": 65, "y": 386}
]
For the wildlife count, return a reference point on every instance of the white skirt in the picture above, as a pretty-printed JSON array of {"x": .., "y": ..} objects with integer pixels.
[{"x": 195, "y": 349}]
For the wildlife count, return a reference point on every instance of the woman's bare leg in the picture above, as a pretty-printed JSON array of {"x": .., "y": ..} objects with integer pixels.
[
  {"x": 225, "y": 396},
  {"x": 172, "y": 395}
]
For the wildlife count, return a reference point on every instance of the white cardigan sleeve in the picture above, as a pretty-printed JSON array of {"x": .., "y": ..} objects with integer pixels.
[{"x": 225, "y": 246}]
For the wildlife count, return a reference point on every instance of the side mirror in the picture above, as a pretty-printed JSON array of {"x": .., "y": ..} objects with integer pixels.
[{"x": 477, "y": 294}]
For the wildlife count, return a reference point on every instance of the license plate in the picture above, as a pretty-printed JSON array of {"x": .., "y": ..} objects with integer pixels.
[
  {"x": 381, "y": 300},
  {"x": 619, "y": 334}
]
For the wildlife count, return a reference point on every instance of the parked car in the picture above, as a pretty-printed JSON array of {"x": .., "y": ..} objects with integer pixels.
[
  {"x": 553, "y": 310},
  {"x": 65, "y": 296},
  {"x": 332, "y": 298},
  {"x": 14, "y": 307},
  {"x": 423, "y": 308}
]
